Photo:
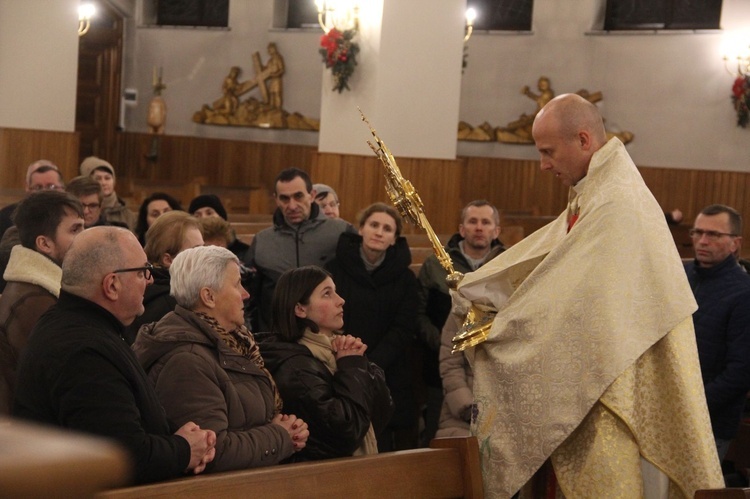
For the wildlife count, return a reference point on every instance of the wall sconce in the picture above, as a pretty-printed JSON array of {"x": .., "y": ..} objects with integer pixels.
[
  {"x": 471, "y": 15},
  {"x": 736, "y": 53},
  {"x": 85, "y": 13},
  {"x": 340, "y": 14}
]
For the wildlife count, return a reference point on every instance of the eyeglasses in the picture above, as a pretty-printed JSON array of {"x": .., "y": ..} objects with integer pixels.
[
  {"x": 145, "y": 270},
  {"x": 712, "y": 235},
  {"x": 91, "y": 206},
  {"x": 48, "y": 187}
]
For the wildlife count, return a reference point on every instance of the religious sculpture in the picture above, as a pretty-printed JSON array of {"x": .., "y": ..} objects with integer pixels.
[
  {"x": 157, "y": 108},
  {"x": 519, "y": 131},
  {"x": 266, "y": 112}
]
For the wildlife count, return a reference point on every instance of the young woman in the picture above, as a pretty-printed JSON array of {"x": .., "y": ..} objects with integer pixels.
[
  {"x": 371, "y": 270},
  {"x": 323, "y": 376}
]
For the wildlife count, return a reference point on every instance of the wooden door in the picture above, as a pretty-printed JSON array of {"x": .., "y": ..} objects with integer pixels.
[{"x": 98, "y": 97}]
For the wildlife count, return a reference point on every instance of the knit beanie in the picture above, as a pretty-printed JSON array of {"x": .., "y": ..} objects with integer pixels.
[
  {"x": 92, "y": 163},
  {"x": 208, "y": 201}
]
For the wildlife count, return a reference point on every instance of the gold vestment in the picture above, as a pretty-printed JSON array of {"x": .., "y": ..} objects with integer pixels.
[{"x": 591, "y": 360}]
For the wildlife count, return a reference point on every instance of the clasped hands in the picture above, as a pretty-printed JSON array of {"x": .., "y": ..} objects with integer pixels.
[
  {"x": 296, "y": 428},
  {"x": 346, "y": 344}
]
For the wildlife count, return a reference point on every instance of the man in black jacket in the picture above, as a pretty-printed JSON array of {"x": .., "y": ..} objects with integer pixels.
[
  {"x": 77, "y": 371},
  {"x": 722, "y": 321}
]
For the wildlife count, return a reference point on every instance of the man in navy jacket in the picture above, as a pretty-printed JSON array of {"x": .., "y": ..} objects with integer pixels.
[{"x": 722, "y": 321}]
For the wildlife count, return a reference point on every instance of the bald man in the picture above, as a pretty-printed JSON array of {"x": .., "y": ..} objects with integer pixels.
[
  {"x": 77, "y": 371},
  {"x": 590, "y": 370}
]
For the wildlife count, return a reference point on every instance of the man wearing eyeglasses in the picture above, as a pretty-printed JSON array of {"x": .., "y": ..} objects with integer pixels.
[
  {"x": 722, "y": 321},
  {"x": 78, "y": 372}
]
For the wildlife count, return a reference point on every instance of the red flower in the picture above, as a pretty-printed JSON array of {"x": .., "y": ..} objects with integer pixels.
[{"x": 739, "y": 87}]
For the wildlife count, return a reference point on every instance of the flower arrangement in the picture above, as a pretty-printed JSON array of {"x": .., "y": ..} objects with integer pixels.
[
  {"x": 340, "y": 54},
  {"x": 741, "y": 99}
]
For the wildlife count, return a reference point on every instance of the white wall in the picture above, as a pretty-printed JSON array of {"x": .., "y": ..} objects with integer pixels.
[
  {"x": 38, "y": 64},
  {"x": 671, "y": 91}
]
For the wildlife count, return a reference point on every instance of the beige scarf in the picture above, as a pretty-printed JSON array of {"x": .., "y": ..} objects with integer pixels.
[
  {"x": 320, "y": 346},
  {"x": 241, "y": 341}
]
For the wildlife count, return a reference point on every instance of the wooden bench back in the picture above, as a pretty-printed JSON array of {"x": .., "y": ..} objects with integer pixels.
[{"x": 450, "y": 468}]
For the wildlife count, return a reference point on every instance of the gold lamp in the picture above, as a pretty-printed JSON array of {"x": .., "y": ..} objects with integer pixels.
[
  {"x": 85, "y": 12},
  {"x": 340, "y": 14}
]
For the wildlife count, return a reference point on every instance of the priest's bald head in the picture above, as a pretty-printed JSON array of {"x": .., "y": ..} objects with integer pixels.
[{"x": 567, "y": 132}]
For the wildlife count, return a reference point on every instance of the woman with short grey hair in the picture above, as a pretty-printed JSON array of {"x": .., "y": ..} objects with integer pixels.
[{"x": 207, "y": 368}]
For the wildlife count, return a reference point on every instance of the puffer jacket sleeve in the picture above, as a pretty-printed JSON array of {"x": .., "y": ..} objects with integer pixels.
[
  {"x": 455, "y": 372},
  {"x": 189, "y": 387}
]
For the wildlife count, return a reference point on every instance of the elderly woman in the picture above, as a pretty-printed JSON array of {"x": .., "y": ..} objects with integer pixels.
[
  {"x": 371, "y": 270},
  {"x": 170, "y": 234},
  {"x": 207, "y": 368},
  {"x": 324, "y": 376},
  {"x": 327, "y": 199}
]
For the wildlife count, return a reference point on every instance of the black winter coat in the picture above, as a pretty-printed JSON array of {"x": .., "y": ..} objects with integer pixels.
[
  {"x": 338, "y": 408},
  {"x": 78, "y": 373},
  {"x": 381, "y": 309},
  {"x": 156, "y": 303}
]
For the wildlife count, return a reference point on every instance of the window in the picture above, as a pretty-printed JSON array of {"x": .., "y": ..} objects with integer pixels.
[
  {"x": 502, "y": 15},
  {"x": 662, "y": 14},
  {"x": 213, "y": 13},
  {"x": 301, "y": 14}
]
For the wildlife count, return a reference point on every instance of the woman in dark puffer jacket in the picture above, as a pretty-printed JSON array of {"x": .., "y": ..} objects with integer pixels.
[{"x": 322, "y": 375}]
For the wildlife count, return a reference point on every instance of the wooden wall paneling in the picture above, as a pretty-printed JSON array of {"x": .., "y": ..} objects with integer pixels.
[
  {"x": 445, "y": 186},
  {"x": 21, "y": 147}
]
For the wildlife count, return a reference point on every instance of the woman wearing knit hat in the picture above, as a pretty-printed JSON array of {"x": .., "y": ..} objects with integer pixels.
[{"x": 113, "y": 207}]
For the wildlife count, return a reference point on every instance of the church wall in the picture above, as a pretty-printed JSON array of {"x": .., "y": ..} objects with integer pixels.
[{"x": 670, "y": 90}]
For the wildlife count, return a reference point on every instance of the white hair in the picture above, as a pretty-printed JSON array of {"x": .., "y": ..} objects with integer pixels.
[{"x": 196, "y": 268}]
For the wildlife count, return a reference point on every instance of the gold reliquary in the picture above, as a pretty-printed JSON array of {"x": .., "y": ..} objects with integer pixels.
[{"x": 476, "y": 325}]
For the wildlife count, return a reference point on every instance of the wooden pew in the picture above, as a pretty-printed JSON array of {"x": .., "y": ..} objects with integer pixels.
[
  {"x": 241, "y": 199},
  {"x": 246, "y": 238},
  {"x": 36, "y": 461},
  {"x": 250, "y": 217},
  {"x": 449, "y": 468},
  {"x": 250, "y": 227},
  {"x": 722, "y": 494},
  {"x": 420, "y": 254}
]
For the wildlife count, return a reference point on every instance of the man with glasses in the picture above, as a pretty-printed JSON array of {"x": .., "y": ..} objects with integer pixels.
[
  {"x": 722, "y": 321},
  {"x": 47, "y": 222},
  {"x": 78, "y": 373},
  {"x": 89, "y": 193},
  {"x": 40, "y": 175}
]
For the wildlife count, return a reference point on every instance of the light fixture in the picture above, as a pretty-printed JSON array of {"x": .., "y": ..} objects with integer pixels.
[
  {"x": 735, "y": 49},
  {"x": 85, "y": 13},
  {"x": 471, "y": 15},
  {"x": 340, "y": 14}
]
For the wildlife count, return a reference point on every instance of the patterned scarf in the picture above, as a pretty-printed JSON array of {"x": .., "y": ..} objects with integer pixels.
[{"x": 241, "y": 341}]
